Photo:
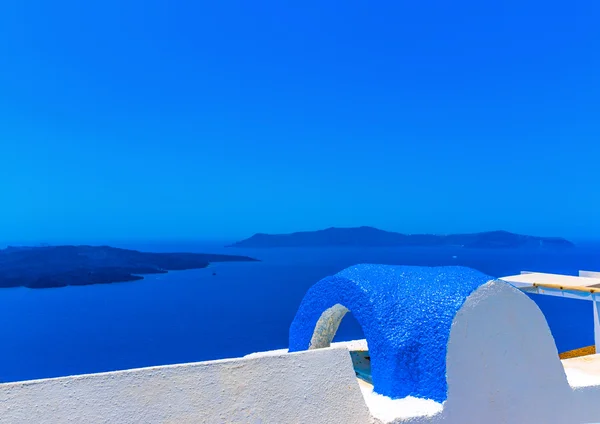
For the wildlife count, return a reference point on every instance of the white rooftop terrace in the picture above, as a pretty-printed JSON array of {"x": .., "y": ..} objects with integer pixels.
[{"x": 585, "y": 286}]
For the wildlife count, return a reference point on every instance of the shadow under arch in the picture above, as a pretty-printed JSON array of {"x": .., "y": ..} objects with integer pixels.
[
  {"x": 405, "y": 313},
  {"x": 327, "y": 326}
]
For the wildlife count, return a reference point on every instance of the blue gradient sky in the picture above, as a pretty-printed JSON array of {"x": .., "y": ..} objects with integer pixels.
[{"x": 184, "y": 120}]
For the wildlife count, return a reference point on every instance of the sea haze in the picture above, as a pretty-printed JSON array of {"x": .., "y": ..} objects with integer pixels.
[{"x": 230, "y": 309}]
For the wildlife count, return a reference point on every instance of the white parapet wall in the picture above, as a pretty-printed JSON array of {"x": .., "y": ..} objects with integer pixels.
[
  {"x": 589, "y": 274},
  {"x": 306, "y": 387},
  {"x": 502, "y": 363},
  {"x": 503, "y": 367}
]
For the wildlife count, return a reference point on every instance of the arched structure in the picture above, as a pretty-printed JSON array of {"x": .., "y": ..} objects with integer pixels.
[
  {"x": 406, "y": 314},
  {"x": 502, "y": 358}
]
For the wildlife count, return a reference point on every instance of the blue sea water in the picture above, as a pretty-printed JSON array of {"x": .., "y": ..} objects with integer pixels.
[{"x": 246, "y": 307}]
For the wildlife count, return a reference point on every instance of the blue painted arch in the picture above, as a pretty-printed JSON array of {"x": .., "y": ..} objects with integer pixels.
[{"x": 406, "y": 314}]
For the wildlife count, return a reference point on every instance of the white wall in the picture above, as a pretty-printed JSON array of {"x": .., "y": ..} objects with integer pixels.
[
  {"x": 503, "y": 367},
  {"x": 589, "y": 274},
  {"x": 502, "y": 363},
  {"x": 306, "y": 387}
]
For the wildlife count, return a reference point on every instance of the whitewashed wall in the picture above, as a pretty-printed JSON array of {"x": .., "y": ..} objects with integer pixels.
[
  {"x": 503, "y": 367},
  {"x": 502, "y": 363},
  {"x": 306, "y": 387}
]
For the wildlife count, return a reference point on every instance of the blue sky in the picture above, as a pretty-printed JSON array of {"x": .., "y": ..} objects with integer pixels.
[{"x": 189, "y": 120}]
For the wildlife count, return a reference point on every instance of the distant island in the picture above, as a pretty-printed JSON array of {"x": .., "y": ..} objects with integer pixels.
[
  {"x": 373, "y": 237},
  {"x": 60, "y": 266}
]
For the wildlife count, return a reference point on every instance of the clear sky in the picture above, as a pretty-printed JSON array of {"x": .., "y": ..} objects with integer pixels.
[{"x": 190, "y": 119}]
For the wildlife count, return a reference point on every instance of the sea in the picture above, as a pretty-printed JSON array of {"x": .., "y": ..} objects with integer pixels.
[{"x": 232, "y": 309}]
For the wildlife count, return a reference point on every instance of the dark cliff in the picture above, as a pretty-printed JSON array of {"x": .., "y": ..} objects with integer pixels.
[{"x": 59, "y": 266}]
